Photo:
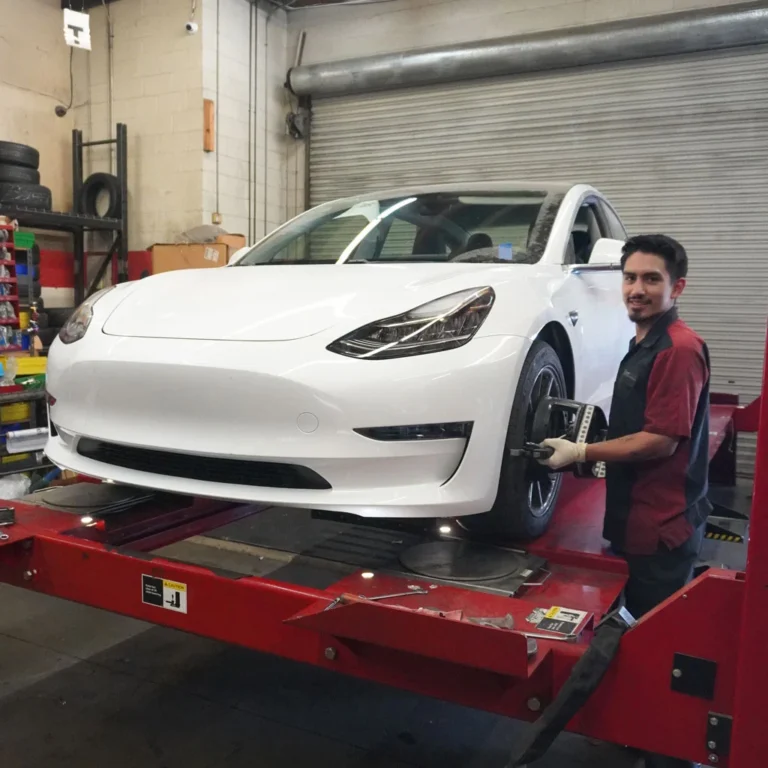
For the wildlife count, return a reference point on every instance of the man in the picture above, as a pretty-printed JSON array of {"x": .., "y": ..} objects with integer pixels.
[{"x": 657, "y": 447}]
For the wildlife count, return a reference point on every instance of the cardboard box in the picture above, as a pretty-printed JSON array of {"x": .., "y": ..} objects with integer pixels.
[
  {"x": 167, "y": 258},
  {"x": 235, "y": 242}
]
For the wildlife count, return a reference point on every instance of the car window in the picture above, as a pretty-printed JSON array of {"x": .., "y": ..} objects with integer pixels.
[
  {"x": 585, "y": 232},
  {"x": 446, "y": 227},
  {"x": 615, "y": 227},
  {"x": 399, "y": 241}
]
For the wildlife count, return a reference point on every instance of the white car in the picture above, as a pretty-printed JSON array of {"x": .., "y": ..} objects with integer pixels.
[{"x": 375, "y": 355}]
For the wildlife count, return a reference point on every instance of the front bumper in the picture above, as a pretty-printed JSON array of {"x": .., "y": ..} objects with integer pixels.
[{"x": 233, "y": 400}]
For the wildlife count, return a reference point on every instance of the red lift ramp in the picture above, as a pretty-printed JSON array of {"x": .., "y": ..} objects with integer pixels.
[{"x": 689, "y": 679}]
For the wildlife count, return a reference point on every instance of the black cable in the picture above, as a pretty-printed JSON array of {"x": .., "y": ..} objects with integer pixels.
[{"x": 71, "y": 82}]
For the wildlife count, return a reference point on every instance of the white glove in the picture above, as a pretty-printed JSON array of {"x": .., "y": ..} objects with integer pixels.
[{"x": 566, "y": 452}]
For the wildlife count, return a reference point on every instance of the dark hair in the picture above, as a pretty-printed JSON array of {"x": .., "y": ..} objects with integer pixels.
[{"x": 667, "y": 248}]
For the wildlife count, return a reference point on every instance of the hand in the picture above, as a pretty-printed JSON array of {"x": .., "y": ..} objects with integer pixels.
[{"x": 566, "y": 452}]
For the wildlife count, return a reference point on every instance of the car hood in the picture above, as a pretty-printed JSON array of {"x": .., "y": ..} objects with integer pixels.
[{"x": 281, "y": 302}]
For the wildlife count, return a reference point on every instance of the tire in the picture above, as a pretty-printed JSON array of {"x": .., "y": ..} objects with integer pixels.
[
  {"x": 18, "y": 174},
  {"x": 93, "y": 186},
  {"x": 516, "y": 513},
  {"x": 25, "y": 196},
  {"x": 12, "y": 153}
]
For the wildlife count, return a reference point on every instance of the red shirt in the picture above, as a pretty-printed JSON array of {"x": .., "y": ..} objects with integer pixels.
[{"x": 662, "y": 387}]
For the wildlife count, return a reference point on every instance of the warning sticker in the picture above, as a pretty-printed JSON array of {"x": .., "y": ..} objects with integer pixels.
[
  {"x": 561, "y": 621},
  {"x": 171, "y": 595}
]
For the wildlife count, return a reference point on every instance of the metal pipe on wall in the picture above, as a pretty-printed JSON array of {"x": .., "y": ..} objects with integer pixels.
[
  {"x": 625, "y": 40},
  {"x": 111, "y": 83}
]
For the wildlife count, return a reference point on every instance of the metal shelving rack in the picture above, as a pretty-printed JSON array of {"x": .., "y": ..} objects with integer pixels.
[
  {"x": 77, "y": 223},
  {"x": 36, "y": 460}
]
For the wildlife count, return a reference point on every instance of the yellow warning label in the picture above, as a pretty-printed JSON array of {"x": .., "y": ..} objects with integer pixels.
[
  {"x": 179, "y": 587},
  {"x": 725, "y": 537},
  {"x": 552, "y": 612}
]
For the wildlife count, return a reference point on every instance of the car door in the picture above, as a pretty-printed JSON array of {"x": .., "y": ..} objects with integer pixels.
[{"x": 590, "y": 301}]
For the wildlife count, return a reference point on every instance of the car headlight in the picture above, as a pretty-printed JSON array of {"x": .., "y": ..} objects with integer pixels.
[
  {"x": 74, "y": 329},
  {"x": 442, "y": 324}
]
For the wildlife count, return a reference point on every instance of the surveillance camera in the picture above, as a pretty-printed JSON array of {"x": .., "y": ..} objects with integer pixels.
[{"x": 191, "y": 27}]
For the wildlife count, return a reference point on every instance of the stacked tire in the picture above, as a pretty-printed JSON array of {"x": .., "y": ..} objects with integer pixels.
[{"x": 20, "y": 178}]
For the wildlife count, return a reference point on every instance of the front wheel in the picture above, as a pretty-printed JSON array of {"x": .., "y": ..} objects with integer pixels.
[{"x": 527, "y": 491}]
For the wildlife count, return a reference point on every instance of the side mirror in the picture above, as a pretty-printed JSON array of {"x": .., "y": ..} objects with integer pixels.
[
  {"x": 607, "y": 251},
  {"x": 605, "y": 257}
]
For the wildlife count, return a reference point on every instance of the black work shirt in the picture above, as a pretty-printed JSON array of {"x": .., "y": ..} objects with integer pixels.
[{"x": 662, "y": 387}]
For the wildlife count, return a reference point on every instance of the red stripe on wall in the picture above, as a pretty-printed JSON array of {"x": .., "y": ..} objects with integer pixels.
[{"x": 57, "y": 268}]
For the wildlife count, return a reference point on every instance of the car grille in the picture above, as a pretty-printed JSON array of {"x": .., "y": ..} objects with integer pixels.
[{"x": 266, "y": 474}]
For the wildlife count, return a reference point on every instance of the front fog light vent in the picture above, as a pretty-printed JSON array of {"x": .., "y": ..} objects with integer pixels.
[{"x": 444, "y": 431}]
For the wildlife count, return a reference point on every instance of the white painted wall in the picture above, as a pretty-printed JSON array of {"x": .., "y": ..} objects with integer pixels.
[
  {"x": 161, "y": 76},
  {"x": 34, "y": 78},
  {"x": 229, "y": 56},
  {"x": 336, "y": 33},
  {"x": 158, "y": 94}
]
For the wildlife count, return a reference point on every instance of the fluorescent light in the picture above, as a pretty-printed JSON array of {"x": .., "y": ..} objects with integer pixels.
[
  {"x": 445, "y": 529},
  {"x": 367, "y": 575},
  {"x": 86, "y": 520}
]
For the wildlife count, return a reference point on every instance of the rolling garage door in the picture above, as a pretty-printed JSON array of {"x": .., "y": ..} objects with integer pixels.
[{"x": 679, "y": 144}]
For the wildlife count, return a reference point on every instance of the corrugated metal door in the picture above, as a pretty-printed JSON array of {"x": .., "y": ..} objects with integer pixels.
[{"x": 679, "y": 144}]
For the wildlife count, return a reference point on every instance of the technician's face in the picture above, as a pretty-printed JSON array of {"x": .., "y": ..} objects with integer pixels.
[{"x": 648, "y": 287}]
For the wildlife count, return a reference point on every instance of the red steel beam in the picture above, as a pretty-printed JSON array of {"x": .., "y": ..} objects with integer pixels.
[
  {"x": 443, "y": 657},
  {"x": 750, "y": 736}
]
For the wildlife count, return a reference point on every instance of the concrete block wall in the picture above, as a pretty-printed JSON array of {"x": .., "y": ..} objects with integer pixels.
[
  {"x": 244, "y": 58},
  {"x": 34, "y": 79},
  {"x": 337, "y": 33},
  {"x": 158, "y": 94},
  {"x": 161, "y": 75}
]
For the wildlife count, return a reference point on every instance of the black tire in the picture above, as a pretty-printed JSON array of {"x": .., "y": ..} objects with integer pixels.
[
  {"x": 25, "y": 196},
  {"x": 515, "y": 514},
  {"x": 18, "y": 174},
  {"x": 93, "y": 186},
  {"x": 12, "y": 153}
]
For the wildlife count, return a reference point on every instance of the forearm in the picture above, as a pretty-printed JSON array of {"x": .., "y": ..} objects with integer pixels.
[{"x": 641, "y": 446}]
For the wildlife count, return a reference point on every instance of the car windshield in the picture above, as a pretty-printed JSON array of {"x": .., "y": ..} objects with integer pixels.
[{"x": 508, "y": 227}]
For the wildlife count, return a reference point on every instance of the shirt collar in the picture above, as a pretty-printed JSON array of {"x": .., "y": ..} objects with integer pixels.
[{"x": 659, "y": 327}]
